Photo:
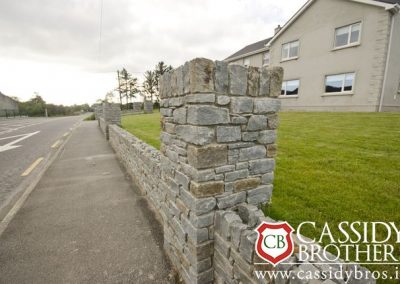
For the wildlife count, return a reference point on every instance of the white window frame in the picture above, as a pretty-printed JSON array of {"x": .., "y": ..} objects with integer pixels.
[
  {"x": 246, "y": 60},
  {"x": 285, "y": 94},
  {"x": 289, "y": 44},
  {"x": 269, "y": 58},
  {"x": 350, "y": 27},
  {"x": 342, "y": 92}
]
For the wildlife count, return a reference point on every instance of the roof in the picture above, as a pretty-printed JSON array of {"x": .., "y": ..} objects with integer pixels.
[
  {"x": 386, "y": 4},
  {"x": 389, "y": 1},
  {"x": 249, "y": 49}
]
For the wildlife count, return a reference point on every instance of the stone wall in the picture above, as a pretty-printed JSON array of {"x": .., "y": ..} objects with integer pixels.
[
  {"x": 214, "y": 168},
  {"x": 147, "y": 106},
  {"x": 108, "y": 114},
  {"x": 137, "y": 106}
]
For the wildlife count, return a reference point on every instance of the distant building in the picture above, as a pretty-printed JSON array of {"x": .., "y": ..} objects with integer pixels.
[
  {"x": 338, "y": 55},
  {"x": 7, "y": 104}
]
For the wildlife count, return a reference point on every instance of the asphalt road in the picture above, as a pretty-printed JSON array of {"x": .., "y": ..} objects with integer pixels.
[{"x": 24, "y": 141}]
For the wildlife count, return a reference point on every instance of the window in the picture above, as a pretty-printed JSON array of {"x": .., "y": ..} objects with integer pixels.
[
  {"x": 290, "y": 50},
  {"x": 266, "y": 58},
  {"x": 348, "y": 35},
  {"x": 341, "y": 83},
  {"x": 290, "y": 88},
  {"x": 246, "y": 62}
]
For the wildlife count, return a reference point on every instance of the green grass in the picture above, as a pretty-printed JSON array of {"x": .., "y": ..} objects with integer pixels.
[
  {"x": 144, "y": 126},
  {"x": 331, "y": 167}
]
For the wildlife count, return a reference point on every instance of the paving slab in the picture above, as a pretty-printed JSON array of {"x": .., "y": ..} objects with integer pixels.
[{"x": 84, "y": 223}]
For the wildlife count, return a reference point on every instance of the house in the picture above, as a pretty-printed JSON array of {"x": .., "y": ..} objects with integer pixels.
[
  {"x": 338, "y": 55},
  {"x": 7, "y": 104}
]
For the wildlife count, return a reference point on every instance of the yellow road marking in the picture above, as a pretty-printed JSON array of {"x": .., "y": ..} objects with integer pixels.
[
  {"x": 65, "y": 134},
  {"x": 31, "y": 167},
  {"x": 55, "y": 145}
]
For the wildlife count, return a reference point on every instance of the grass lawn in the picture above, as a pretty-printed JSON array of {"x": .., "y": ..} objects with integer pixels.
[{"x": 331, "y": 167}]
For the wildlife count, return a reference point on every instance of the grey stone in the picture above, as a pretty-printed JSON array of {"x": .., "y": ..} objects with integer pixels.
[
  {"x": 207, "y": 115},
  {"x": 223, "y": 100},
  {"x": 221, "y": 77},
  {"x": 251, "y": 153},
  {"x": 186, "y": 78},
  {"x": 247, "y": 244},
  {"x": 200, "y": 98},
  {"x": 264, "y": 82},
  {"x": 241, "y": 105},
  {"x": 240, "y": 145},
  {"x": 253, "y": 81},
  {"x": 242, "y": 165},
  {"x": 179, "y": 115},
  {"x": 176, "y": 102},
  {"x": 249, "y": 136},
  {"x": 276, "y": 77},
  {"x": 261, "y": 166},
  {"x": 223, "y": 169},
  {"x": 228, "y": 134},
  {"x": 257, "y": 122},
  {"x": 179, "y": 81},
  {"x": 267, "y": 178},
  {"x": 197, "y": 235},
  {"x": 166, "y": 111},
  {"x": 201, "y": 73},
  {"x": 238, "y": 79},
  {"x": 273, "y": 121},
  {"x": 266, "y": 137},
  {"x": 182, "y": 180},
  {"x": 202, "y": 220},
  {"x": 239, "y": 120},
  {"x": 259, "y": 195},
  {"x": 236, "y": 230},
  {"x": 229, "y": 200},
  {"x": 197, "y": 135},
  {"x": 266, "y": 105},
  {"x": 222, "y": 245},
  {"x": 232, "y": 176},
  {"x": 227, "y": 220},
  {"x": 198, "y": 205}
]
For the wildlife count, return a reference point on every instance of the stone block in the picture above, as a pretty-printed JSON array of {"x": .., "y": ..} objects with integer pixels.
[
  {"x": 238, "y": 79},
  {"x": 232, "y": 176},
  {"x": 247, "y": 245},
  {"x": 259, "y": 195},
  {"x": 228, "y": 134},
  {"x": 253, "y": 81},
  {"x": 241, "y": 105},
  {"x": 196, "y": 235},
  {"x": 223, "y": 100},
  {"x": 257, "y": 122},
  {"x": 266, "y": 137},
  {"x": 237, "y": 119},
  {"x": 245, "y": 184},
  {"x": 202, "y": 220},
  {"x": 207, "y": 156},
  {"x": 266, "y": 105},
  {"x": 224, "y": 169},
  {"x": 221, "y": 77},
  {"x": 207, "y": 115},
  {"x": 198, "y": 135},
  {"x": 267, "y": 178},
  {"x": 201, "y": 73},
  {"x": 275, "y": 85},
  {"x": 249, "y": 136},
  {"x": 261, "y": 166},
  {"x": 179, "y": 115},
  {"x": 236, "y": 233},
  {"x": 272, "y": 150},
  {"x": 264, "y": 82},
  {"x": 199, "y": 206},
  {"x": 206, "y": 189},
  {"x": 222, "y": 245},
  {"x": 200, "y": 98},
  {"x": 229, "y": 200},
  {"x": 251, "y": 153}
]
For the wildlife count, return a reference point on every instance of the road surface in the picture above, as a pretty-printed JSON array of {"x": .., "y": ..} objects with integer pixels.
[{"x": 24, "y": 145}]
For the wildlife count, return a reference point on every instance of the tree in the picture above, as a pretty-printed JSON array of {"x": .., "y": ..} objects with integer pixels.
[
  {"x": 127, "y": 86},
  {"x": 150, "y": 84},
  {"x": 160, "y": 69}
]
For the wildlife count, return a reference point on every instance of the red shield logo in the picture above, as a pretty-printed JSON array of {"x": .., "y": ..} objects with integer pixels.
[{"x": 274, "y": 243}]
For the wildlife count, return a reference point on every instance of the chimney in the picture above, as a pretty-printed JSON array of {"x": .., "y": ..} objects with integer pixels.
[{"x": 277, "y": 29}]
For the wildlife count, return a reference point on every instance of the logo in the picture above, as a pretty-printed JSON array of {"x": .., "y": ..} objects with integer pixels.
[{"x": 274, "y": 243}]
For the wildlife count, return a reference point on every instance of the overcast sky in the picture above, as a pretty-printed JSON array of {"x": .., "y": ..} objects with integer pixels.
[{"x": 52, "y": 46}]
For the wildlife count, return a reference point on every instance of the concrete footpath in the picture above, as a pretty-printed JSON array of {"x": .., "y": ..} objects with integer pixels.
[{"x": 84, "y": 223}]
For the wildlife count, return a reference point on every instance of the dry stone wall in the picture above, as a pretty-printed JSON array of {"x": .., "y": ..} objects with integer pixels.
[{"x": 214, "y": 168}]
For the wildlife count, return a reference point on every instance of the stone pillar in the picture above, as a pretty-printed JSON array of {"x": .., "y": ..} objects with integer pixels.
[
  {"x": 111, "y": 114},
  {"x": 137, "y": 107},
  {"x": 147, "y": 107},
  {"x": 218, "y": 140}
]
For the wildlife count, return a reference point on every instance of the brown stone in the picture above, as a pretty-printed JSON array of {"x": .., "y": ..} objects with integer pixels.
[
  {"x": 207, "y": 189},
  {"x": 201, "y": 73},
  {"x": 207, "y": 156},
  {"x": 182, "y": 207},
  {"x": 272, "y": 150},
  {"x": 245, "y": 184}
]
